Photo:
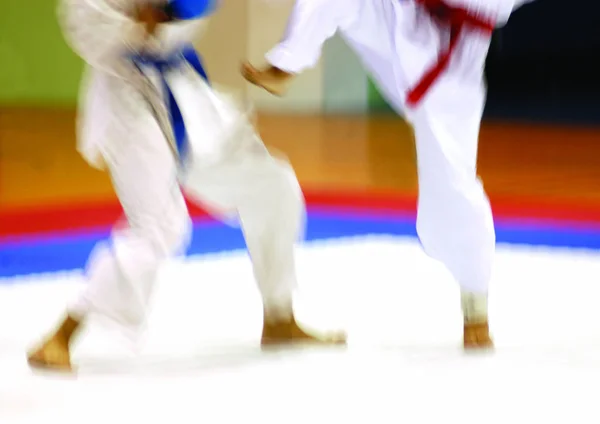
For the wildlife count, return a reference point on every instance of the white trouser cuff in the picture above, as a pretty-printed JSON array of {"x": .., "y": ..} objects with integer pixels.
[
  {"x": 277, "y": 310},
  {"x": 282, "y": 58},
  {"x": 474, "y": 307}
]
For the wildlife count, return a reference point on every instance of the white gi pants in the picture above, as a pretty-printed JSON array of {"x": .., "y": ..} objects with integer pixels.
[
  {"x": 261, "y": 190},
  {"x": 454, "y": 220}
]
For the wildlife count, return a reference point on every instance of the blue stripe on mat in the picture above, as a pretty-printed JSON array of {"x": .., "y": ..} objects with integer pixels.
[{"x": 67, "y": 252}]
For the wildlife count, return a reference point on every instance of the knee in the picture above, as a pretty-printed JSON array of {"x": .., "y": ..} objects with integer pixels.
[
  {"x": 179, "y": 235},
  {"x": 286, "y": 188},
  {"x": 451, "y": 193},
  {"x": 170, "y": 235},
  {"x": 451, "y": 207},
  {"x": 276, "y": 200}
]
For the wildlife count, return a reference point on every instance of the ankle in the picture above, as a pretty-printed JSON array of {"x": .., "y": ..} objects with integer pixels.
[
  {"x": 279, "y": 73},
  {"x": 474, "y": 307},
  {"x": 278, "y": 313},
  {"x": 68, "y": 328}
]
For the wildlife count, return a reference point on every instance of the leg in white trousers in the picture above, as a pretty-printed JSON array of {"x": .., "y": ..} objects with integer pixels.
[
  {"x": 261, "y": 190},
  {"x": 454, "y": 222},
  {"x": 454, "y": 219},
  {"x": 121, "y": 272}
]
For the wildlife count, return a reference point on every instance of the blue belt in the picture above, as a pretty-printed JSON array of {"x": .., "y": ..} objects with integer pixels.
[
  {"x": 163, "y": 64},
  {"x": 179, "y": 10}
]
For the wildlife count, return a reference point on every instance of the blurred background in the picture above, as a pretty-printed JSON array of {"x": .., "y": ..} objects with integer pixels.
[
  {"x": 539, "y": 160},
  {"x": 539, "y": 143}
]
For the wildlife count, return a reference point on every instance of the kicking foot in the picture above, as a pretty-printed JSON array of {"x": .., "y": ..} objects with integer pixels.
[
  {"x": 289, "y": 332},
  {"x": 477, "y": 336},
  {"x": 54, "y": 353},
  {"x": 272, "y": 79}
]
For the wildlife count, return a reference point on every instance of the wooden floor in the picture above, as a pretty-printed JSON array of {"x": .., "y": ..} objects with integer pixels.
[{"x": 39, "y": 164}]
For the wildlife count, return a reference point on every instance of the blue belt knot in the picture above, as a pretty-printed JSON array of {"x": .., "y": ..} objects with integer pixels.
[{"x": 163, "y": 64}]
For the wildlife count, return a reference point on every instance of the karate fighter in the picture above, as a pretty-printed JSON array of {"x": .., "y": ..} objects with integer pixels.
[
  {"x": 427, "y": 57},
  {"x": 146, "y": 116}
]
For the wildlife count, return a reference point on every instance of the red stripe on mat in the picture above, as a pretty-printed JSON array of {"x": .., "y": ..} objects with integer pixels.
[{"x": 81, "y": 216}]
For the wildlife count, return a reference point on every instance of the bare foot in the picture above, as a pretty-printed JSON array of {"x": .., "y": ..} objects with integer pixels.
[
  {"x": 289, "y": 332},
  {"x": 54, "y": 353},
  {"x": 477, "y": 336},
  {"x": 272, "y": 79}
]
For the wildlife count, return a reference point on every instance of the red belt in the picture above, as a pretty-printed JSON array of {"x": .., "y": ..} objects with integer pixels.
[{"x": 458, "y": 19}]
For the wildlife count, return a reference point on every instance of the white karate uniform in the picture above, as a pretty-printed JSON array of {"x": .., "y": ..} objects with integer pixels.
[
  {"x": 124, "y": 125},
  {"x": 397, "y": 42}
]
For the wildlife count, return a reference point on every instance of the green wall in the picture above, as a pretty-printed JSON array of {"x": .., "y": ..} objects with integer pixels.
[
  {"x": 345, "y": 84},
  {"x": 377, "y": 103},
  {"x": 36, "y": 65},
  {"x": 38, "y": 68}
]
